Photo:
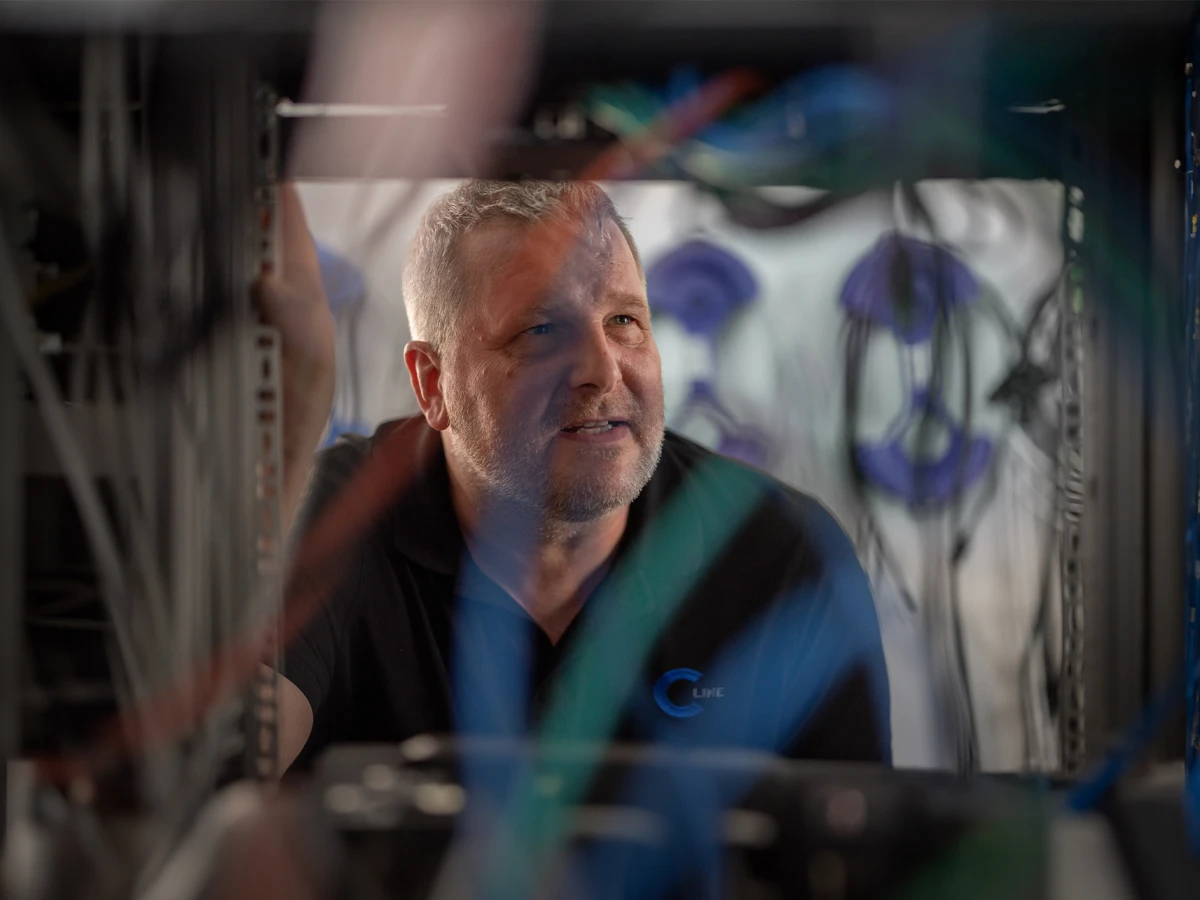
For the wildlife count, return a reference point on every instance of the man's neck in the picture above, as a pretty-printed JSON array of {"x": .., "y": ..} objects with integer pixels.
[{"x": 548, "y": 567}]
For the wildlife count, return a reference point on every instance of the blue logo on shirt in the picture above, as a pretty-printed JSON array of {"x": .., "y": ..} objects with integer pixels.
[{"x": 663, "y": 685}]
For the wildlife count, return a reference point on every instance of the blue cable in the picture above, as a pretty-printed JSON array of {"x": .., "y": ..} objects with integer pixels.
[
  {"x": 1088, "y": 793},
  {"x": 1192, "y": 442}
]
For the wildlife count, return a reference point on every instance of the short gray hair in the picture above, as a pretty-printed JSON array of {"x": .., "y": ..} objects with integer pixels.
[{"x": 434, "y": 279}]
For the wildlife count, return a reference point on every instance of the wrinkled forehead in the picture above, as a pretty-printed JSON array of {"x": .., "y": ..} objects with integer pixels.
[{"x": 507, "y": 261}]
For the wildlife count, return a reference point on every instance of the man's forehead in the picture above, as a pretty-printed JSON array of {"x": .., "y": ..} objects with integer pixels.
[
  {"x": 541, "y": 258},
  {"x": 492, "y": 240}
]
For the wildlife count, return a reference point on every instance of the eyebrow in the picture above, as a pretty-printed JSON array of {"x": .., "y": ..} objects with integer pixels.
[
  {"x": 541, "y": 311},
  {"x": 626, "y": 297},
  {"x": 550, "y": 307}
]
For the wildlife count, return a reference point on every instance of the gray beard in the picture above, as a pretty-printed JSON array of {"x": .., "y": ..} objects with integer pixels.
[{"x": 513, "y": 479}]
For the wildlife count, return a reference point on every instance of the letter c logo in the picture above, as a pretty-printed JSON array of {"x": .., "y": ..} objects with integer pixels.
[{"x": 664, "y": 702}]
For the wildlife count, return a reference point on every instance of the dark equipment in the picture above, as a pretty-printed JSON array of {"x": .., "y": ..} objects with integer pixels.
[{"x": 409, "y": 822}]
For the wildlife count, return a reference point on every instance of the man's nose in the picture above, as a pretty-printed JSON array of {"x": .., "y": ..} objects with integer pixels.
[{"x": 595, "y": 365}]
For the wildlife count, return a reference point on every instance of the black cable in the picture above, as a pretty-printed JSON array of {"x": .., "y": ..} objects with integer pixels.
[
  {"x": 945, "y": 319},
  {"x": 957, "y": 558},
  {"x": 1041, "y": 618},
  {"x": 1038, "y": 625},
  {"x": 186, "y": 102},
  {"x": 188, "y": 331},
  {"x": 948, "y": 321},
  {"x": 968, "y": 750},
  {"x": 1036, "y": 634},
  {"x": 858, "y": 337},
  {"x": 1023, "y": 337},
  {"x": 750, "y": 209}
]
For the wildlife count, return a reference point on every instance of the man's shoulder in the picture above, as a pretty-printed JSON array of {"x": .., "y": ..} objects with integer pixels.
[
  {"x": 792, "y": 513},
  {"x": 346, "y": 452},
  {"x": 335, "y": 465}
]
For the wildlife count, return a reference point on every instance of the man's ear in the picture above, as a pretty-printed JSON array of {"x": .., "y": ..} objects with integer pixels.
[{"x": 425, "y": 372}]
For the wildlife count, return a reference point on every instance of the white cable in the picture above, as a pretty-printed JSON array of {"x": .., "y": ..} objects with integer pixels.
[
  {"x": 105, "y": 104},
  {"x": 188, "y": 871},
  {"x": 286, "y": 109},
  {"x": 109, "y": 417},
  {"x": 87, "y": 498}
]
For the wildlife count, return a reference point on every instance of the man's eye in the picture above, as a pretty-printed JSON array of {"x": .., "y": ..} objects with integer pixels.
[
  {"x": 544, "y": 328},
  {"x": 623, "y": 320}
]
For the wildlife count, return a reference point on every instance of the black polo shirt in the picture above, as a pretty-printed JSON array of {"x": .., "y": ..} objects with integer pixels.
[{"x": 734, "y": 613}]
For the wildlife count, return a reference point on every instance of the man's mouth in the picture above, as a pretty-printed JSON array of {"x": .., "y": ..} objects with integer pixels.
[{"x": 594, "y": 426}]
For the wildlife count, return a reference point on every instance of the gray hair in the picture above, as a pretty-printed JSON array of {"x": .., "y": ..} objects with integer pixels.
[{"x": 435, "y": 282}]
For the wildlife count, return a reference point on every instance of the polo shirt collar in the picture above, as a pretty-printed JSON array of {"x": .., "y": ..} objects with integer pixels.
[{"x": 426, "y": 528}]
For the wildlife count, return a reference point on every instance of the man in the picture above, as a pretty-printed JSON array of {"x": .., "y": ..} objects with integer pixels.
[{"x": 562, "y": 563}]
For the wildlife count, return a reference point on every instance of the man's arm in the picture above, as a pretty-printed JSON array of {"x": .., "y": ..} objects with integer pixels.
[
  {"x": 295, "y": 722},
  {"x": 293, "y": 300}
]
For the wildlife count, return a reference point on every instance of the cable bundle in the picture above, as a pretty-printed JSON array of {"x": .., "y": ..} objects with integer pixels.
[{"x": 1191, "y": 282}]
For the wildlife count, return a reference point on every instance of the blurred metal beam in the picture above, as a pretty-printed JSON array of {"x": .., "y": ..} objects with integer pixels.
[
  {"x": 182, "y": 16},
  {"x": 12, "y": 568},
  {"x": 1165, "y": 450}
]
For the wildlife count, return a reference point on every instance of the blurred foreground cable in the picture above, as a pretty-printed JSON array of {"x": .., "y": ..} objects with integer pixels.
[
  {"x": 1191, "y": 430},
  {"x": 806, "y": 645},
  {"x": 588, "y": 699},
  {"x": 103, "y": 543},
  {"x": 994, "y": 862},
  {"x": 1091, "y": 791},
  {"x": 172, "y": 712},
  {"x": 1191, "y": 807}
]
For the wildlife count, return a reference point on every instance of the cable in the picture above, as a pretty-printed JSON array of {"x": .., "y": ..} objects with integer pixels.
[
  {"x": 751, "y": 209},
  {"x": 105, "y": 174},
  {"x": 188, "y": 870},
  {"x": 1191, "y": 427},
  {"x": 363, "y": 499},
  {"x": 1090, "y": 792},
  {"x": 75, "y": 467},
  {"x": 858, "y": 336},
  {"x": 187, "y": 198},
  {"x": 153, "y": 591},
  {"x": 956, "y": 561},
  {"x": 960, "y": 685},
  {"x": 948, "y": 322},
  {"x": 1036, "y": 633},
  {"x": 1023, "y": 336}
]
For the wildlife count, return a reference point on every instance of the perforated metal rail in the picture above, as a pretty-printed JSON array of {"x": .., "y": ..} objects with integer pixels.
[
  {"x": 267, "y": 386},
  {"x": 1071, "y": 464}
]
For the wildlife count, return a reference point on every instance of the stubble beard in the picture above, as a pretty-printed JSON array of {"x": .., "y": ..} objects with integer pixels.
[{"x": 515, "y": 472}]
